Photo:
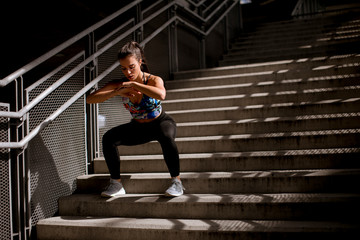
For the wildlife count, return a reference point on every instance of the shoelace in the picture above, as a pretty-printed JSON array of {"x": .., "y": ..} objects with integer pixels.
[
  {"x": 179, "y": 185},
  {"x": 112, "y": 186}
]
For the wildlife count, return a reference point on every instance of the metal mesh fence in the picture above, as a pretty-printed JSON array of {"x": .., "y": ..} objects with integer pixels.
[
  {"x": 5, "y": 208},
  {"x": 111, "y": 113},
  {"x": 188, "y": 51},
  {"x": 58, "y": 154},
  {"x": 157, "y": 50},
  {"x": 215, "y": 45},
  {"x": 52, "y": 102}
]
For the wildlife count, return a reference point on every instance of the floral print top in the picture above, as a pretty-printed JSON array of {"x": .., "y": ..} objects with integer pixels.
[{"x": 148, "y": 108}]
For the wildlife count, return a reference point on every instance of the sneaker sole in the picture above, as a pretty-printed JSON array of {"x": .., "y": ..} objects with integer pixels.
[
  {"x": 109, "y": 196},
  {"x": 173, "y": 195}
]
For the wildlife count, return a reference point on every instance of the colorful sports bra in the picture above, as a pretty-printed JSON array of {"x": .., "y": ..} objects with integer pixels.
[{"x": 148, "y": 108}]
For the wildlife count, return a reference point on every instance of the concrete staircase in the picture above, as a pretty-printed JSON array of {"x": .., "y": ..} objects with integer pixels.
[
  {"x": 316, "y": 36},
  {"x": 269, "y": 150}
]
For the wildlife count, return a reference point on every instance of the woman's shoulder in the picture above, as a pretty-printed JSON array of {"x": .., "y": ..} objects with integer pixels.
[{"x": 153, "y": 79}]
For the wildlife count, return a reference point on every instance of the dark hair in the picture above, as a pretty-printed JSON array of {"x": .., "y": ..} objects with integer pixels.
[{"x": 133, "y": 48}]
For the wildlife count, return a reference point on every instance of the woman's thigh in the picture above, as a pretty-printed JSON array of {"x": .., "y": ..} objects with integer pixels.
[
  {"x": 128, "y": 134},
  {"x": 167, "y": 128}
]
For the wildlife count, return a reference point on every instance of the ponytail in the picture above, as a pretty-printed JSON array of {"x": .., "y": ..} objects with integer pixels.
[{"x": 133, "y": 48}]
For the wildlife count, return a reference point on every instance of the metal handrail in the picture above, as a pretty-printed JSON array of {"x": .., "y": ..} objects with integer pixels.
[
  {"x": 297, "y": 7},
  {"x": 215, "y": 11},
  {"x": 11, "y": 77},
  {"x": 22, "y": 112},
  {"x": 5, "y": 81},
  {"x": 209, "y": 7},
  {"x": 303, "y": 8},
  {"x": 22, "y": 143},
  {"x": 60, "y": 110},
  {"x": 214, "y": 24},
  {"x": 152, "y": 6},
  {"x": 196, "y": 4},
  {"x": 210, "y": 15},
  {"x": 26, "y": 109}
]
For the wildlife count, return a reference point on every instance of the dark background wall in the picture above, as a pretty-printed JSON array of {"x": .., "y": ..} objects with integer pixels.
[{"x": 31, "y": 28}]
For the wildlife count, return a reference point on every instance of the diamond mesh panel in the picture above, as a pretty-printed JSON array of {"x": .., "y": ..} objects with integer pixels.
[
  {"x": 111, "y": 112},
  {"x": 234, "y": 23},
  {"x": 52, "y": 102},
  {"x": 58, "y": 154},
  {"x": 188, "y": 50},
  {"x": 157, "y": 50},
  {"x": 215, "y": 45},
  {"x": 5, "y": 208}
]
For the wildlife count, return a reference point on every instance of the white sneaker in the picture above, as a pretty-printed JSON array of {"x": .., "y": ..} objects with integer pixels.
[
  {"x": 114, "y": 189},
  {"x": 176, "y": 189}
]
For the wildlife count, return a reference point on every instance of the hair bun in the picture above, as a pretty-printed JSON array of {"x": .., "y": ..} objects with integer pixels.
[{"x": 133, "y": 48}]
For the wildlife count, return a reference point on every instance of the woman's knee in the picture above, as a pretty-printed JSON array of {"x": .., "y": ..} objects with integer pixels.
[
  {"x": 168, "y": 130},
  {"x": 108, "y": 139}
]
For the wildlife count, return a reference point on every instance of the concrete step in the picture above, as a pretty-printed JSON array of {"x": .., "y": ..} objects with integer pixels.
[
  {"x": 270, "y": 181},
  {"x": 279, "y": 56},
  {"x": 273, "y": 67},
  {"x": 262, "y": 86},
  {"x": 268, "y": 150},
  {"x": 305, "y": 26},
  {"x": 343, "y": 138},
  {"x": 269, "y": 125},
  {"x": 254, "y": 44},
  {"x": 265, "y": 77},
  {"x": 267, "y": 111},
  {"x": 276, "y": 56},
  {"x": 312, "y": 95},
  {"x": 298, "y": 31},
  {"x": 241, "y": 161},
  {"x": 302, "y": 27},
  {"x": 282, "y": 76},
  {"x": 100, "y": 228},
  {"x": 351, "y": 43},
  {"x": 294, "y": 25},
  {"x": 268, "y": 38},
  {"x": 286, "y": 206},
  {"x": 320, "y": 22}
]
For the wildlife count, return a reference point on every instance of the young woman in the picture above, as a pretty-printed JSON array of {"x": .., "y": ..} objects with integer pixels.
[{"x": 141, "y": 93}]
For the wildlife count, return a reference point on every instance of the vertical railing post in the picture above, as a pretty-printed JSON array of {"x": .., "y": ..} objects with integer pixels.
[
  {"x": 15, "y": 192},
  {"x": 92, "y": 140},
  {"x": 202, "y": 51},
  {"x": 20, "y": 171},
  {"x": 139, "y": 33},
  {"x": 172, "y": 39},
  {"x": 91, "y": 136},
  {"x": 6, "y": 206},
  {"x": 27, "y": 172},
  {"x": 226, "y": 33},
  {"x": 20, "y": 193},
  {"x": 202, "y": 43},
  {"x": 27, "y": 176},
  {"x": 240, "y": 14}
]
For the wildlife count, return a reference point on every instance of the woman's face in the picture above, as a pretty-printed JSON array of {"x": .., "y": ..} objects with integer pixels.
[{"x": 130, "y": 67}]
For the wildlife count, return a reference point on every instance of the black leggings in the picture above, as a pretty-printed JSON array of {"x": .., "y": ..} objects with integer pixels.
[{"x": 162, "y": 129}]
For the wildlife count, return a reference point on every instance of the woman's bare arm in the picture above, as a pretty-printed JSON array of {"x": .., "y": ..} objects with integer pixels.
[
  {"x": 155, "y": 87},
  {"x": 108, "y": 91}
]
